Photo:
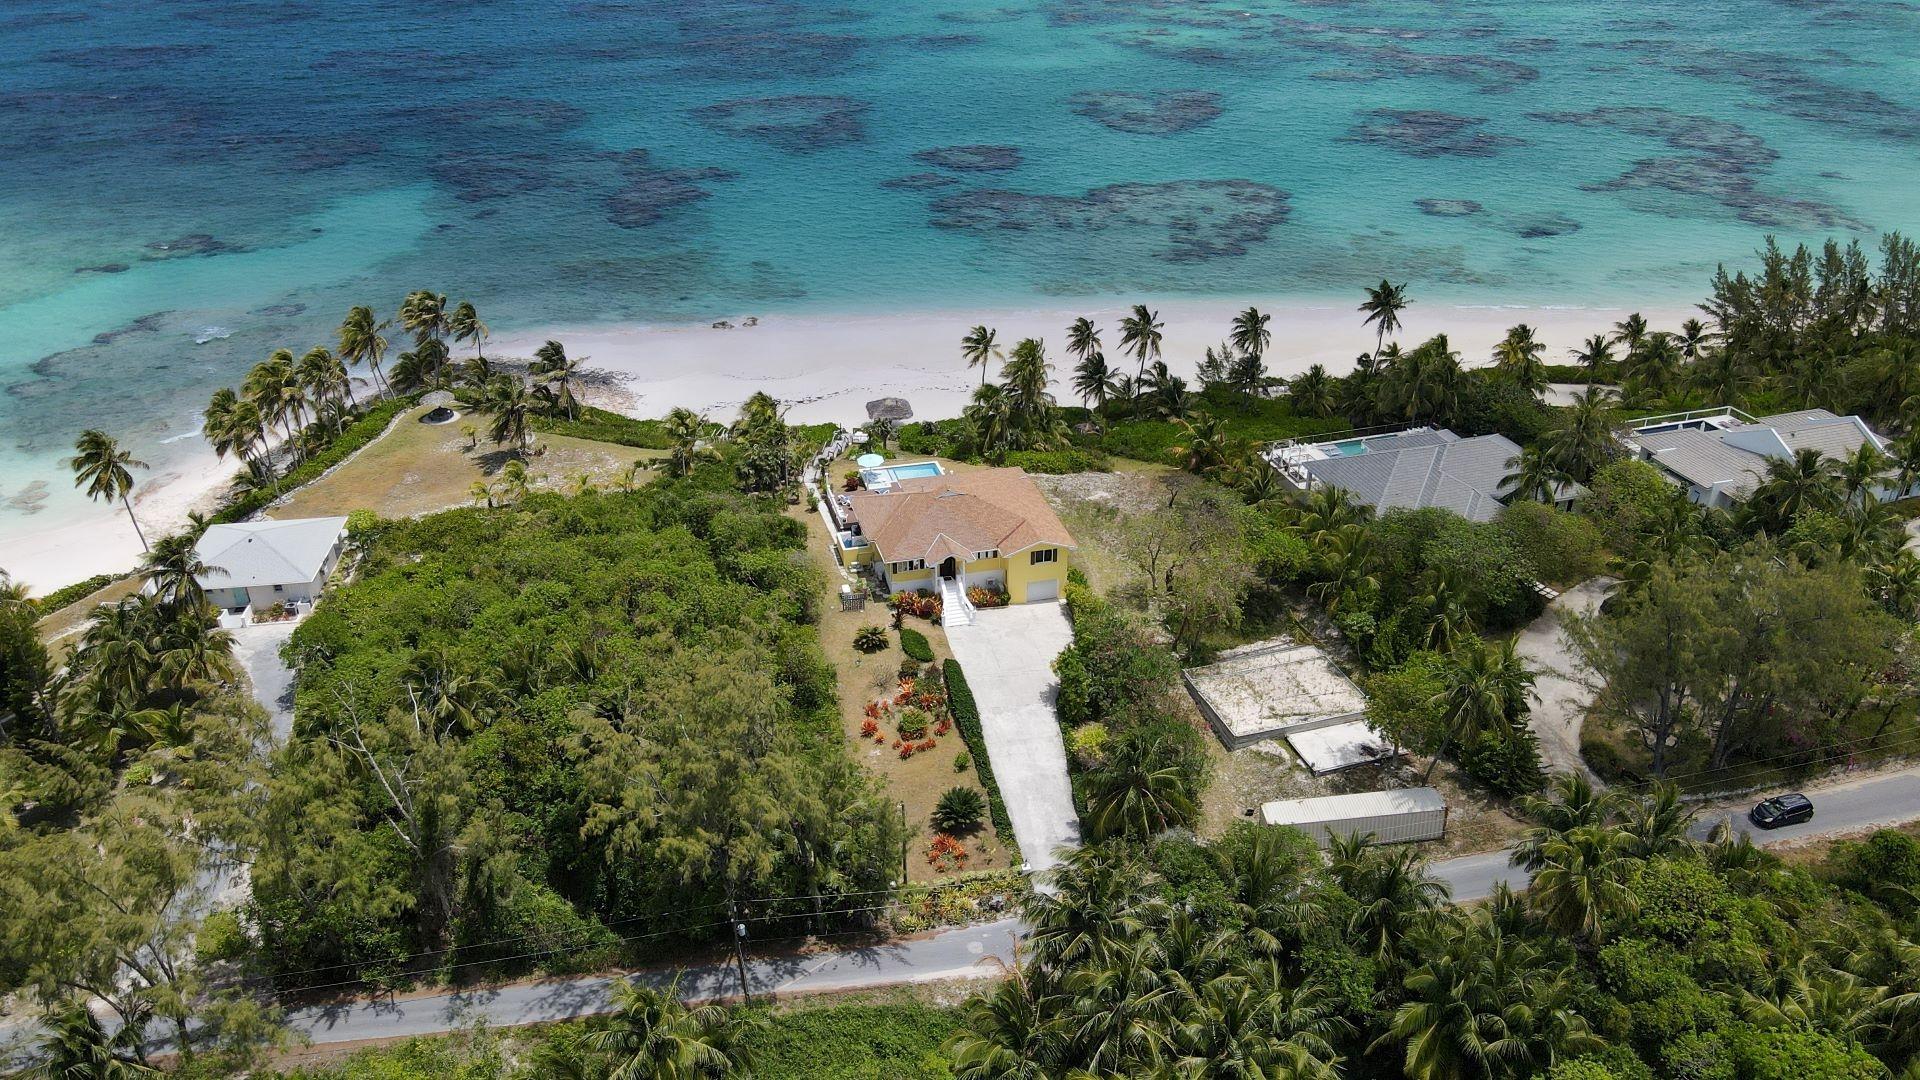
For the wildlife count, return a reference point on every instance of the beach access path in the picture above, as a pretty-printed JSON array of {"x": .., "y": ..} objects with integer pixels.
[
  {"x": 1007, "y": 654},
  {"x": 1561, "y": 696}
]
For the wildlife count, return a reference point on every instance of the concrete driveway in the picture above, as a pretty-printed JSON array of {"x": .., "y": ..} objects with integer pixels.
[
  {"x": 257, "y": 648},
  {"x": 1008, "y": 657},
  {"x": 1561, "y": 697}
]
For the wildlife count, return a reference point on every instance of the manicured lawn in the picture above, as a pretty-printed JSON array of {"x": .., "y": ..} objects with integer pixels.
[
  {"x": 418, "y": 468},
  {"x": 917, "y": 781}
]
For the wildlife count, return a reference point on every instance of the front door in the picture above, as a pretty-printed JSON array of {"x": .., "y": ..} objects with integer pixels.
[{"x": 949, "y": 567}]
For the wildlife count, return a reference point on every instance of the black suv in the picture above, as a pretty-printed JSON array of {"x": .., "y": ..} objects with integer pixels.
[{"x": 1782, "y": 810}]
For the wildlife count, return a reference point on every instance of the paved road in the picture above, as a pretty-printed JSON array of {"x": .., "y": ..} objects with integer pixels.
[
  {"x": 1561, "y": 698},
  {"x": 257, "y": 648},
  {"x": 1841, "y": 808},
  {"x": 1008, "y": 654}
]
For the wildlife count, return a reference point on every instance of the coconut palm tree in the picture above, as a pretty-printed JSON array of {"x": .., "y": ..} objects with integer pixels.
[
  {"x": 1721, "y": 375},
  {"x": 77, "y": 1047},
  {"x": 1444, "y": 599},
  {"x": 324, "y": 377},
  {"x": 1694, "y": 339},
  {"x": 1581, "y": 885},
  {"x": 1584, "y": 442},
  {"x": 1133, "y": 799},
  {"x": 511, "y": 407},
  {"x": 1392, "y": 891},
  {"x": 1861, "y": 471},
  {"x": 1517, "y": 359},
  {"x": 980, "y": 348},
  {"x": 1205, "y": 449},
  {"x": 1655, "y": 364},
  {"x": 424, "y": 315},
  {"x": 231, "y": 426},
  {"x": 1010, "y": 1034},
  {"x": 362, "y": 343},
  {"x": 1597, "y": 353},
  {"x": 684, "y": 430},
  {"x": 1323, "y": 511},
  {"x": 1791, "y": 486},
  {"x": 1312, "y": 392},
  {"x": 106, "y": 472},
  {"x": 1485, "y": 689},
  {"x": 1534, "y": 476},
  {"x": 445, "y": 690},
  {"x": 1630, "y": 332},
  {"x": 1571, "y": 802},
  {"x": 652, "y": 1035},
  {"x": 556, "y": 373},
  {"x": 275, "y": 390},
  {"x": 1383, "y": 307},
  {"x": 990, "y": 416},
  {"x": 1347, "y": 560},
  {"x": 1083, "y": 339},
  {"x": 1140, "y": 333},
  {"x": 1251, "y": 337},
  {"x": 463, "y": 322},
  {"x": 1099, "y": 900},
  {"x": 174, "y": 569},
  {"x": 1093, "y": 380},
  {"x": 1025, "y": 377}
]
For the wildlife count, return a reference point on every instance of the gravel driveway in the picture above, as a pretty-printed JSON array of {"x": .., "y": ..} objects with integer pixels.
[
  {"x": 1561, "y": 697},
  {"x": 1008, "y": 656},
  {"x": 257, "y": 648}
]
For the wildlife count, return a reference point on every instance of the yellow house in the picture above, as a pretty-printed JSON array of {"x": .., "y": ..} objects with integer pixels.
[{"x": 987, "y": 528}]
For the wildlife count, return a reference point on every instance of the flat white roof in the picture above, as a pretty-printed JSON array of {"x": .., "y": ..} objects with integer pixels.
[
  {"x": 1338, "y": 746},
  {"x": 1347, "y": 807}
]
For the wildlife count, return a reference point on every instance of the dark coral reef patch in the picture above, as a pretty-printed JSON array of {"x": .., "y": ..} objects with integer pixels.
[
  {"x": 974, "y": 158},
  {"x": 1148, "y": 112},
  {"x": 798, "y": 123},
  {"x": 648, "y": 191},
  {"x": 1427, "y": 133},
  {"x": 1201, "y": 219}
]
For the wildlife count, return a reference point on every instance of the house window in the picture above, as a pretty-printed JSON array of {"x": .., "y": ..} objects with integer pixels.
[
  {"x": 903, "y": 567},
  {"x": 279, "y": 588},
  {"x": 1043, "y": 555},
  {"x": 990, "y": 553}
]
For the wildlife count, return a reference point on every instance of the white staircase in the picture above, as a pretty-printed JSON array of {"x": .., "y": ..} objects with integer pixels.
[{"x": 955, "y": 609}]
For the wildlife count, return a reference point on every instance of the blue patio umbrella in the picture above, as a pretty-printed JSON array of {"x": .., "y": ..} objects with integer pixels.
[{"x": 868, "y": 461}]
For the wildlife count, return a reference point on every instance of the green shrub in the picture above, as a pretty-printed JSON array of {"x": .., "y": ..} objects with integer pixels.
[
  {"x": 1797, "y": 1054},
  {"x": 914, "y": 644},
  {"x": 79, "y": 590},
  {"x": 1072, "y": 460},
  {"x": 912, "y": 723},
  {"x": 221, "y": 937},
  {"x": 1607, "y": 762},
  {"x": 1884, "y": 867},
  {"x": 909, "y": 668},
  {"x": 1505, "y": 763},
  {"x": 966, "y": 716},
  {"x": 1562, "y": 548},
  {"x": 961, "y": 760},
  {"x": 959, "y": 810},
  {"x": 900, "y": 1040},
  {"x": 870, "y": 639},
  {"x": 601, "y": 425}
]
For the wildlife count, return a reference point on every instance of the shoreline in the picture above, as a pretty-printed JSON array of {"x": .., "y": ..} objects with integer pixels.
[{"x": 825, "y": 367}]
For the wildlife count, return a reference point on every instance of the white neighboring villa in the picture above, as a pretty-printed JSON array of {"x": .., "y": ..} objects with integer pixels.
[
  {"x": 254, "y": 565},
  {"x": 1719, "y": 455}
]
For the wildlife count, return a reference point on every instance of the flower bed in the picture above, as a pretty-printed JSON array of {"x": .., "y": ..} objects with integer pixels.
[
  {"x": 922, "y": 603},
  {"x": 983, "y": 597},
  {"x": 918, "y": 716}
]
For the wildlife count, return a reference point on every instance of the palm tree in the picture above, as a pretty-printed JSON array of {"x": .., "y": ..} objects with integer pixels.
[
  {"x": 514, "y": 481},
  {"x": 1630, "y": 332},
  {"x": 445, "y": 690},
  {"x": 1485, "y": 688},
  {"x": 106, "y": 471},
  {"x": 1093, "y": 380},
  {"x": 990, "y": 415},
  {"x": 465, "y": 325},
  {"x": 1862, "y": 470},
  {"x": 231, "y": 425},
  {"x": 1251, "y": 337},
  {"x": 1312, "y": 392},
  {"x": 1572, "y": 802},
  {"x": 1347, "y": 559},
  {"x": 512, "y": 409},
  {"x": 980, "y": 348},
  {"x": 1132, "y": 799},
  {"x": 1083, "y": 339},
  {"x": 1517, "y": 359},
  {"x": 1392, "y": 891},
  {"x": 362, "y": 343},
  {"x": 1383, "y": 306},
  {"x": 1655, "y": 364},
  {"x": 1140, "y": 334},
  {"x": 1721, "y": 375},
  {"x": 1584, "y": 441},
  {"x": 1594, "y": 355},
  {"x": 275, "y": 390},
  {"x": 174, "y": 569},
  {"x": 684, "y": 430},
  {"x": 1791, "y": 486},
  {"x": 1206, "y": 450},
  {"x": 1534, "y": 476},
  {"x": 1657, "y": 824},
  {"x": 1009, "y": 1035},
  {"x": 324, "y": 377},
  {"x": 652, "y": 1035},
  {"x": 424, "y": 315},
  {"x": 556, "y": 372},
  {"x": 1025, "y": 377},
  {"x": 1581, "y": 885},
  {"x": 1324, "y": 511},
  {"x": 1693, "y": 339},
  {"x": 77, "y": 1047}
]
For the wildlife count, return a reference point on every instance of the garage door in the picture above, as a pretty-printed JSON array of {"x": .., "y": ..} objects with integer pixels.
[{"x": 1043, "y": 590}]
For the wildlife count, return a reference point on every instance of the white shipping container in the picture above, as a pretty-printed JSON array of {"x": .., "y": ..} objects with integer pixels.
[{"x": 1392, "y": 817}]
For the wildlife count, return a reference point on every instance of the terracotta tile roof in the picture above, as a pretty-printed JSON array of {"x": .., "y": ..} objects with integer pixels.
[{"x": 932, "y": 517}]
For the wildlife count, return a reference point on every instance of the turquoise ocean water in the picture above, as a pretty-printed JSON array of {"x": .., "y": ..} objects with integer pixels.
[{"x": 185, "y": 184}]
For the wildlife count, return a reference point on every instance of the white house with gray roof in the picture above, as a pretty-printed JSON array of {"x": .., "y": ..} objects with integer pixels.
[
  {"x": 1719, "y": 455},
  {"x": 1411, "y": 469},
  {"x": 253, "y": 565}
]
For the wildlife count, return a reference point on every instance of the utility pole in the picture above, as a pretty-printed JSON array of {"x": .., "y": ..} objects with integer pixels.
[
  {"x": 903, "y": 843},
  {"x": 740, "y": 952}
]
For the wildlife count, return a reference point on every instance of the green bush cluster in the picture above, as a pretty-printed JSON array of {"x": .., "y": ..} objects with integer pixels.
[
  {"x": 1059, "y": 462},
  {"x": 601, "y": 425},
  {"x": 79, "y": 590},
  {"x": 914, "y": 644},
  {"x": 966, "y": 716}
]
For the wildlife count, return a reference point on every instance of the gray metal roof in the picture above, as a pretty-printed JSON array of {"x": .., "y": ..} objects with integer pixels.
[
  {"x": 1735, "y": 458},
  {"x": 1700, "y": 458},
  {"x": 267, "y": 552},
  {"x": 1361, "y": 804},
  {"x": 1426, "y": 468}
]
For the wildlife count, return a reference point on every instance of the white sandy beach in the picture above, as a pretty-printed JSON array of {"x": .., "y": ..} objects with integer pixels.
[{"x": 827, "y": 368}]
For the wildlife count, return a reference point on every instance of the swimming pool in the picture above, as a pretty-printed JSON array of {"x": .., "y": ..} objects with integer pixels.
[
  {"x": 885, "y": 476},
  {"x": 1351, "y": 447}
]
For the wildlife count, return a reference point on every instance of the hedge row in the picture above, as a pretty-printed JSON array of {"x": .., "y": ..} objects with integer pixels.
[
  {"x": 967, "y": 714},
  {"x": 599, "y": 425},
  {"x": 914, "y": 644},
  {"x": 79, "y": 590},
  {"x": 358, "y": 434}
]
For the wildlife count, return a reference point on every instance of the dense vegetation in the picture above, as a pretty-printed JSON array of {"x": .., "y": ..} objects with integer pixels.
[
  {"x": 1637, "y": 953},
  {"x": 520, "y": 732}
]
